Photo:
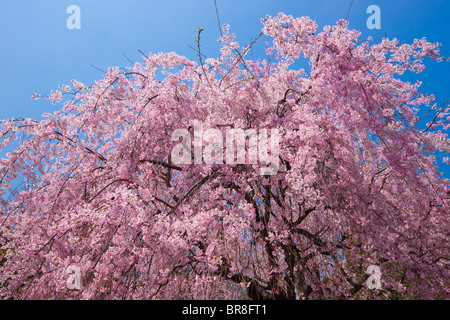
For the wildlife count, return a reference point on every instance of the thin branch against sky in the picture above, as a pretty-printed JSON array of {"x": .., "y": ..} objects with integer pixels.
[
  {"x": 218, "y": 18},
  {"x": 349, "y": 8}
]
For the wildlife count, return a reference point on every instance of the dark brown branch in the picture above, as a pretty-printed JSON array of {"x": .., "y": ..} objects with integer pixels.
[
  {"x": 433, "y": 121},
  {"x": 162, "y": 163},
  {"x": 255, "y": 291},
  {"x": 164, "y": 202},
  {"x": 304, "y": 215},
  {"x": 169, "y": 173}
]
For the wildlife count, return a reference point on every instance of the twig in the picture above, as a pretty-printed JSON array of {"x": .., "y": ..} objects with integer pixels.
[
  {"x": 218, "y": 19},
  {"x": 98, "y": 68},
  {"x": 142, "y": 53},
  {"x": 348, "y": 12},
  {"x": 127, "y": 57}
]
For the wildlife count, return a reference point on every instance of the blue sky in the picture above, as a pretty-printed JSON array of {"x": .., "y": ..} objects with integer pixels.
[{"x": 39, "y": 52}]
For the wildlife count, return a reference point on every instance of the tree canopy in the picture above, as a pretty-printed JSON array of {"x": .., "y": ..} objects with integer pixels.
[{"x": 357, "y": 183}]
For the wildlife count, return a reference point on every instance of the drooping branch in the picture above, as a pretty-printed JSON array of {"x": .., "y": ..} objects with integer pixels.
[{"x": 162, "y": 163}]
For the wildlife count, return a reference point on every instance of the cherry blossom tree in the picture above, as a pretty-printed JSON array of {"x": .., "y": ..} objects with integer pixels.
[{"x": 357, "y": 185}]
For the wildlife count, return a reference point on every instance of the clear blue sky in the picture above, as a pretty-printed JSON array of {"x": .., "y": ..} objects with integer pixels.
[{"x": 38, "y": 51}]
